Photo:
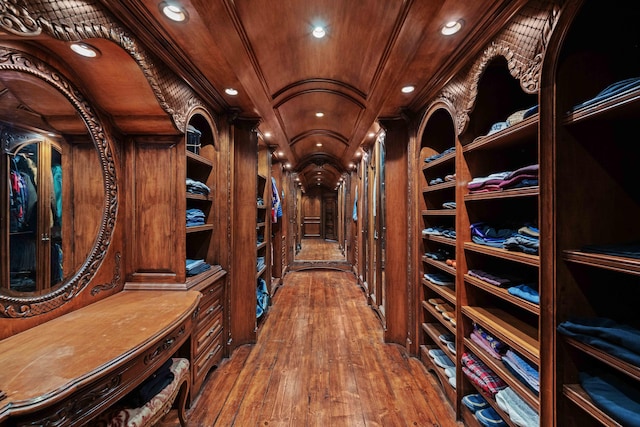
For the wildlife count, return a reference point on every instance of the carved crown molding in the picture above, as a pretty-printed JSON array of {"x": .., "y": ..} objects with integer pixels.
[
  {"x": 78, "y": 20},
  {"x": 522, "y": 43}
]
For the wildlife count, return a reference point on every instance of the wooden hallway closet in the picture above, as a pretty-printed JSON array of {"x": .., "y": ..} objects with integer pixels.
[{"x": 320, "y": 360}]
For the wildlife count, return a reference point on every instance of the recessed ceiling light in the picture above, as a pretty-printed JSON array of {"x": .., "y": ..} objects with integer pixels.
[
  {"x": 408, "y": 89},
  {"x": 231, "y": 91},
  {"x": 287, "y": 165},
  {"x": 85, "y": 50},
  {"x": 319, "y": 32},
  {"x": 319, "y": 114},
  {"x": 280, "y": 153},
  {"x": 451, "y": 27},
  {"x": 358, "y": 154},
  {"x": 372, "y": 134},
  {"x": 319, "y": 173},
  {"x": 351, "y": 165},
  {"x": 173, "y": 12},
  {"x": 267, "y": 134},
  {"x": 318, "y": 144}
]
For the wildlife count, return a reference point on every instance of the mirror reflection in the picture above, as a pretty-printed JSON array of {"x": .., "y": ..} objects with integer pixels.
[
  {"x": 52, "y": 208},
  {"x": 35, "y": 231}
]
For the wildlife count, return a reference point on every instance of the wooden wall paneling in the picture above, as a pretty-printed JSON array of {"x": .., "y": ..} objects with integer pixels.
[
  {"x": 87, "y": 201},
  {"x": 396, "y": 240},
  {"x": 156, "y": 223},
  {"x": 243, "y": 232}
]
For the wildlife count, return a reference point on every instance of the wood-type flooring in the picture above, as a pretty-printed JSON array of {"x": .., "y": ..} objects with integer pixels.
[
  {"x": 319, "y": 250},
  {"x": 320, "y": 360}
]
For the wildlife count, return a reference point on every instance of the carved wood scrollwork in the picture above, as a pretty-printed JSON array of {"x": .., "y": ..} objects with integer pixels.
[
  {"x": 74, "y": 409},
  {"x": 83, "y": 20},
  {"x": 23, "y": 307},
  {"x": 522, "y": 43},
  {"x": 165, "y": 345},
  {"x": 114, "y": 282}
]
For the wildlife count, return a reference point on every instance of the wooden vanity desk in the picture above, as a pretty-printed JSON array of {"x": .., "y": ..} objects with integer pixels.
[{"x": 68, "y": 370}]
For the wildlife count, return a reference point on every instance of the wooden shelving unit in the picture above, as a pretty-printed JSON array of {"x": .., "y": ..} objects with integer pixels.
[
  {"x": 596, "y": 201},
  {"x": 435, "y": 162}
]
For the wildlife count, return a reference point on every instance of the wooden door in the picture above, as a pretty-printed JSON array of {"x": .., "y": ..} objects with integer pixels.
[
  {"x": 330, "y": 219},
  {"x": 311, "y": 214}
]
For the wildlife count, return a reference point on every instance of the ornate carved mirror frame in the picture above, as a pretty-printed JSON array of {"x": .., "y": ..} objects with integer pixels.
[{"x": 27, "y": 306}]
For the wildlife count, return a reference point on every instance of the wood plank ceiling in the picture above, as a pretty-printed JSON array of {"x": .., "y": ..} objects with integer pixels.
[{"x": 284, "y": 76}]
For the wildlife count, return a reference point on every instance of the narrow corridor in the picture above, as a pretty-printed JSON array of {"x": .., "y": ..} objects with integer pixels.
[{"x": 320, "y": 360}]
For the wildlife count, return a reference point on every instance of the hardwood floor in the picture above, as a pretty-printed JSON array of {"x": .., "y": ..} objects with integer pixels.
[
  {"x": 320, "y": 360},
  {"x": 319, "y": 250}
]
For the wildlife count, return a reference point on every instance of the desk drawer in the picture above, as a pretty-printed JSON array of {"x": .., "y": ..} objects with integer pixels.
[
  {"x": 210, "y": 305},
  {"x": 211, "y": 356},
  {"x": 206, "y": 334}
]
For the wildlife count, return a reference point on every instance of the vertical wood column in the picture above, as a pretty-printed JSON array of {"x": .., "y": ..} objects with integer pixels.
[
  {"x": 397, "y": 267},
  {"x": 242, "y": 292}
]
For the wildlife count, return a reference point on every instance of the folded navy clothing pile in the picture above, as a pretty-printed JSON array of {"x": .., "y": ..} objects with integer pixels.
[
  {"x": 618, "y": 398},
  {"x": 524, "y": 238},
  {"x": 196, "y": 266},
  {"x": 197, "y": 187},
  {"x": 437, "y": 156},
  {"x": 614, "y": 89},
  {"x": 616, "y": 339}
]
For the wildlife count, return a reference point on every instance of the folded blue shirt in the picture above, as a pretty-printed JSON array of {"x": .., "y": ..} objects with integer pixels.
[{"x": 525, "y": 292}]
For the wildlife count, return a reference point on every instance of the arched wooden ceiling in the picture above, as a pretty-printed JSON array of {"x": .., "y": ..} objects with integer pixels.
[{"x": 284, "y": 76}]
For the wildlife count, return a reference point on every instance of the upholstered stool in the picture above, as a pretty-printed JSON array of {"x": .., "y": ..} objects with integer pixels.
[{"x": 152, "y": 412}]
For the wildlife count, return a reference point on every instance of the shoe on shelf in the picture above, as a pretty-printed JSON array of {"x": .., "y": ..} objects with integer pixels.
[
  {"x": 488, "y": 417},
  {"x": 447, "y": 338},
  {"x": 475, "y": 402}
]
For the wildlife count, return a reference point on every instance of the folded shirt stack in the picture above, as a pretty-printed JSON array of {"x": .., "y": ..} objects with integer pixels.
[
  {"x": 480, "y": 374},
  {"x": 489, "y": 343},
  {"x": 195, "y": 217},
  {"x": 522, "y": 370},
  {"x": 514, "y": 238},
  {"x": 515, "y": 286},
  {"x": 196, "y": 266},
  {"x": 526, "y": 176},
  {"x": 437, "y": 156},
  {"x": 197, "y": 187},
  {"x": 439, "y": 279},
  {"x": 519, "y": 411}
]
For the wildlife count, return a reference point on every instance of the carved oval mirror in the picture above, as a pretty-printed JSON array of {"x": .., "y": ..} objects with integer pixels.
[{"x": 57, "y": 210}]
